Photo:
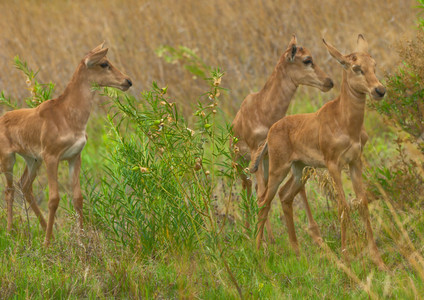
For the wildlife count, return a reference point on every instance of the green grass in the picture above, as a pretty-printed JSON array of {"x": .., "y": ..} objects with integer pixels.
[{"x": 91, "y": 266}]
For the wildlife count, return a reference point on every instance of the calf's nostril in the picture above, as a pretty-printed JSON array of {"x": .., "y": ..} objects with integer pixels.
[
  {"x": 129, "y": 82},
  {"x": 381, "y": 91}
]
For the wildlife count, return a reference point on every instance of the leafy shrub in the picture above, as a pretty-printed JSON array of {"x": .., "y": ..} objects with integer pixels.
[
  {"x": 404, "y": 101},
  {"x": 163, "y": 178},
  {"x": 402, "y": 176}
]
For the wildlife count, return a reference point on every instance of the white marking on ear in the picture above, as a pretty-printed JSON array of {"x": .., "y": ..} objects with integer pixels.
[
  {"x": 292, "y": 47},
  {"x": 292, "y": 54}
]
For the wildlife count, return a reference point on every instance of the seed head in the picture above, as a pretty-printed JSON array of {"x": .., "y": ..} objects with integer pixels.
[
  {"x": 191, "y": 131},
  {"x": 198, "y": 164},
  {"x": 144, "y": 170}
]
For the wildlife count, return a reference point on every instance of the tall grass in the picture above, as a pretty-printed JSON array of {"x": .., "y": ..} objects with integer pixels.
[{"x": 245, "y": 38}]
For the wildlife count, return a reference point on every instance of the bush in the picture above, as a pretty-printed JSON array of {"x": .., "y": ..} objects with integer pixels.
[
  {"x": 405, "y": 89},
  {"x": 402, "y": 176},
  {"x": 164, "y": 180}
]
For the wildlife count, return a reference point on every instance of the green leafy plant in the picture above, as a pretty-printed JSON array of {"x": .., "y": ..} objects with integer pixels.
[
  {"x": 403, "y": 103},
  {"x": 40, "y": 92},
  {"x": 163, "y": 177},
  {"x": 400, "y": 178}
]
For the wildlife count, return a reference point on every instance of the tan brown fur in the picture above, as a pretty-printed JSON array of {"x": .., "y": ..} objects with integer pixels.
[
  {"x": 331, "y": 137},
  {"x": 259, "y": 111},
  {"x": 52, "y": 132}
]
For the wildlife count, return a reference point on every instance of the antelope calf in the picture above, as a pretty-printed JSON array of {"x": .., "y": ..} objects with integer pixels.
[
  {"x": 331, "y": 137},
  {"x": 52, "y": 132},
  {"x": 259, "y": 111}
]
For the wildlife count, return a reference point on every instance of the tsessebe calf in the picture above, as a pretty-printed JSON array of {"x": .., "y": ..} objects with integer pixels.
[
  {"x": 331, "y": 138},
  {"x": 55, "y": 131}
]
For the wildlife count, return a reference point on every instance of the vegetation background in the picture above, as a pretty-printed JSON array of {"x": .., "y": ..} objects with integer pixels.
[{"x": 127, "y": 252}]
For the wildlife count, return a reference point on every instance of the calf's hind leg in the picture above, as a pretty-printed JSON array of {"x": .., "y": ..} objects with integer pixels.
[
  {"x": 313, "y": 228},
  {"x": 7, "y": 162},
  {"x": 274, "y": 181},
  {"x": 287, "y": 193},
  {"x": 261, "y": 180},
  {"x": 26, "y": 185}
]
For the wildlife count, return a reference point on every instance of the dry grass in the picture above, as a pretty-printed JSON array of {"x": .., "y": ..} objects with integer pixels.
[{"x": 245, "y": 38}]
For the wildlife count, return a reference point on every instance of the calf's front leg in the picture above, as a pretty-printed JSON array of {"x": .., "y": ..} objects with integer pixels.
[
  {"x": 52, "y": 164},
  {"x": 343, "y": 207},
  {"x": 74, "y": 172},
  {"x": 355, "y": 169}
]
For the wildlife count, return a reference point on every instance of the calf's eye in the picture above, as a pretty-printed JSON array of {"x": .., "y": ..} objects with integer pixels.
[{"x": 357, "y": 69}]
